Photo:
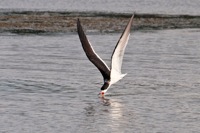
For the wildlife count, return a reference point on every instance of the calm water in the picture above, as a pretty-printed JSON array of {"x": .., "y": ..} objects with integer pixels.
[
  {"x": 130, "y": 6},
  {"x": 48, "y": 85}
]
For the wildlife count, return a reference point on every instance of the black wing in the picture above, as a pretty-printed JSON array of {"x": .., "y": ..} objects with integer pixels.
[{"x": 92, "y": 56}]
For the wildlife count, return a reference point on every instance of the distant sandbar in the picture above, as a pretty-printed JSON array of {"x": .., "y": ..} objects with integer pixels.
[{"x": 47, "y": 21}]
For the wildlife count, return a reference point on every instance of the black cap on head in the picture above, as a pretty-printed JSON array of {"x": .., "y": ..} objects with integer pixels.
[{"x": 105, "y": 86}]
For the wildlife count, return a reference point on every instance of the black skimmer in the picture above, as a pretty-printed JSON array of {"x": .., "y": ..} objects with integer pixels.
[{"x": 113, "y": 74}]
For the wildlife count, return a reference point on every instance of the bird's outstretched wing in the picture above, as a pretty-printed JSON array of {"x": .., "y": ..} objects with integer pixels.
[
  {"x": 92, "y": 56},
  {"x": 118, "y": 52}
]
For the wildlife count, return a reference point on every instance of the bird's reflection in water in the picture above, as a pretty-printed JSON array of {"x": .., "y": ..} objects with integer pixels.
[
  {"x": 105, "y": 101},
  {"x": 115, "y": 115}
]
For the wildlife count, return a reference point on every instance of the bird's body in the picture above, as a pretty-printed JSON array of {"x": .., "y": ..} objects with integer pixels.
[{"x": 113, "y": 74}]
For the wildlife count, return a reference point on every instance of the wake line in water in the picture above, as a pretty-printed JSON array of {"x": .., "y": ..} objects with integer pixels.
[{"x": 35, "y": 22}]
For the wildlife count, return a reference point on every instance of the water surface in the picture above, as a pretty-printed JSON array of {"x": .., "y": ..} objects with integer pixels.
[
  {"x": 122, "y": 6},
  {"x": 48, "y": 85}
]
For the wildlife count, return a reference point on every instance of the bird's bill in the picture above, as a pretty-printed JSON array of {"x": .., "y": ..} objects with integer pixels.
[{"x": 101, "y": 94}]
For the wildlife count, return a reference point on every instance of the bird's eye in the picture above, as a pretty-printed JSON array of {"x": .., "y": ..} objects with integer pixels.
[{"x": 102, "y": 93}]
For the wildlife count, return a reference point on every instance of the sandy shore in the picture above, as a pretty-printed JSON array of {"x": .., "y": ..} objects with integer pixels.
[{"x": 44, "y": 21}]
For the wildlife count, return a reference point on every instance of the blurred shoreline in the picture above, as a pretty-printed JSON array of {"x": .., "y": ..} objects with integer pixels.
[{"x": 36, "y": 22}]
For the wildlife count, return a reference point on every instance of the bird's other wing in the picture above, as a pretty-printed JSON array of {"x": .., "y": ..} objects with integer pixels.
[
  {"x": 92, "y": 56},
  {"x": 118, "y": 52}
]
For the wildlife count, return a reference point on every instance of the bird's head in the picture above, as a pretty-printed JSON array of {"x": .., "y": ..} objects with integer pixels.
[
  {"x": 102, "y": 93},
  {"x": 104, "y": 88}
]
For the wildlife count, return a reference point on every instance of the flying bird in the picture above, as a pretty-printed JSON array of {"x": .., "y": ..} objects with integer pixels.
[{"x": 113, "y": 74}]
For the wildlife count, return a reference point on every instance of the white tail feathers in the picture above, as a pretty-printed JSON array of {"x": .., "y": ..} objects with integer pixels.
[{"x": 116, "y": 76}]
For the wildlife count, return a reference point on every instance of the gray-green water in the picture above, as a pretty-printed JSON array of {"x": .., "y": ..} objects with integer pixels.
[
  {"x": 129, "y": 6},
  {"x": 48, "y": 85}
]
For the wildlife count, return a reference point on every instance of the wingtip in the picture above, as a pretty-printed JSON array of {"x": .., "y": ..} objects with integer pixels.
[
  {"x": 133, "y": 15},
  {"x": 78, "y": 20},
  {"x": 78, "y": 24}
]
